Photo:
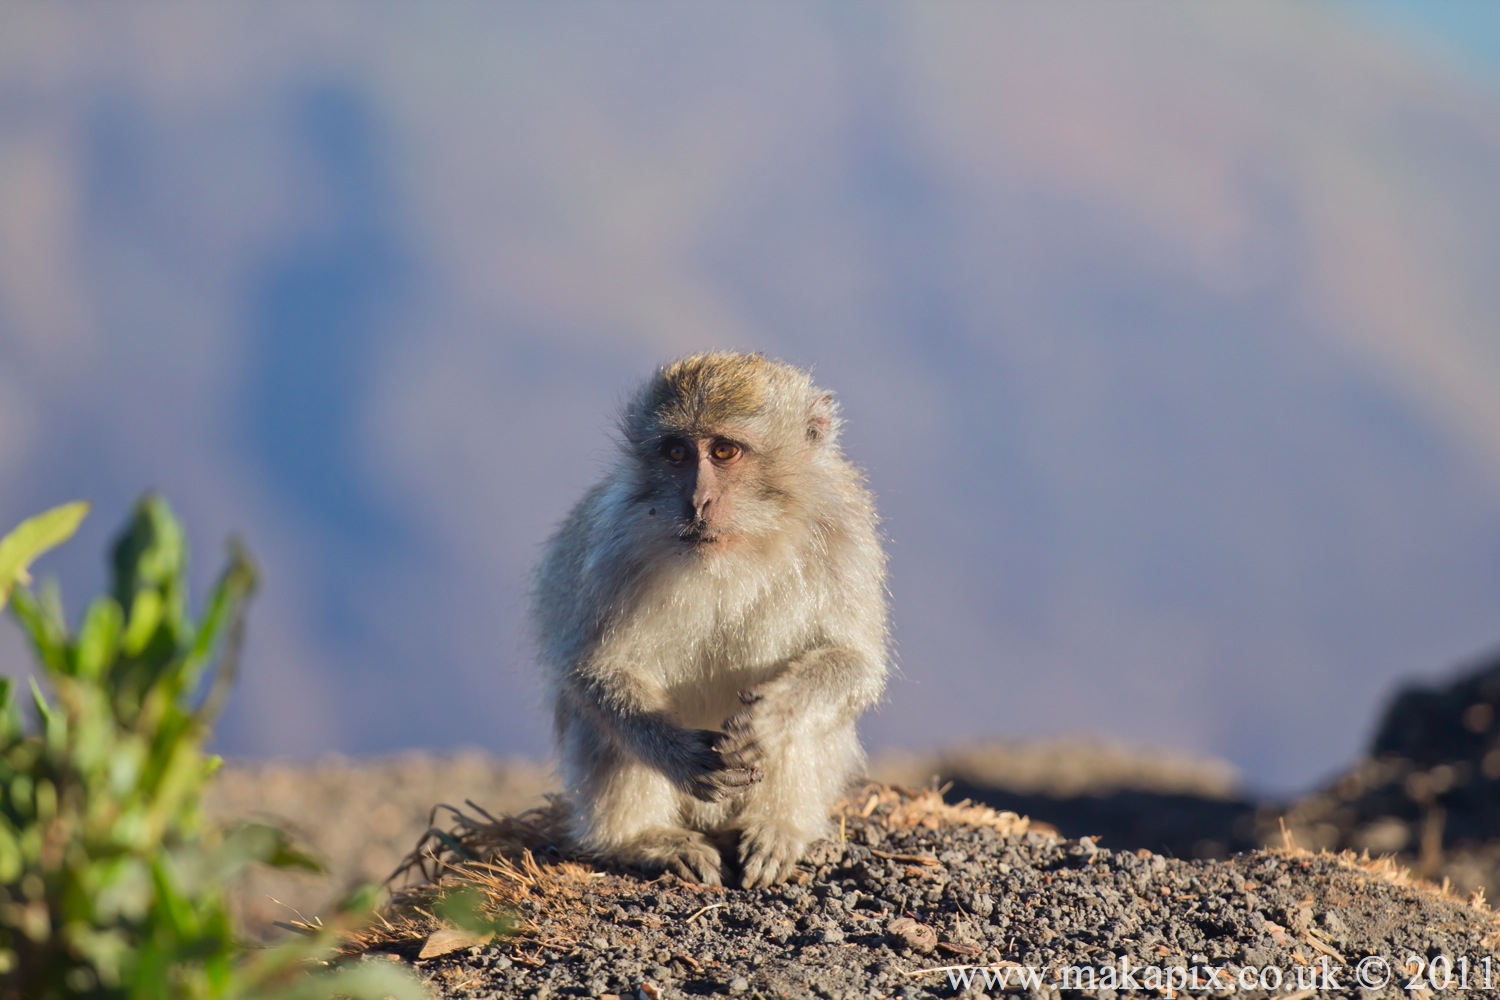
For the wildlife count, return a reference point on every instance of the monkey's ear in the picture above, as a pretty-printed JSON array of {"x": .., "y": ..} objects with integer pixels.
[{"x": 823, "y": 418}]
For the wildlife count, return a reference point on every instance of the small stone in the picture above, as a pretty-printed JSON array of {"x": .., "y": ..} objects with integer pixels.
[
  {"x": 738, "y": 985},
  {"x": 823, "y": 852},
  {"x": 918, "y": 937}
]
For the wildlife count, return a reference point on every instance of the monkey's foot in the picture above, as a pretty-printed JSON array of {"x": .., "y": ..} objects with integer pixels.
[
  {"x": 685, "y": 853},
  {"x": 768, "y": 854}
]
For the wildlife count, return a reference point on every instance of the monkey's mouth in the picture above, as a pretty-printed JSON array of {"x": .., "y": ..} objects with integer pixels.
[{"x": 696, "y": 533}]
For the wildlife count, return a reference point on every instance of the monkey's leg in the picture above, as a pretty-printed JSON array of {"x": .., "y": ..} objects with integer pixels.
[
  {"x": 804, "y": 775},
  {"x": 630, "y": 812}
]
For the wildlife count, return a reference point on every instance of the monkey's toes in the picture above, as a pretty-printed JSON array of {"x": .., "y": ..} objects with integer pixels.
[
  {"x": 767, "y": 856},
  {"x": 685, "y": 853},
  {"x": 696, "y": 861}
]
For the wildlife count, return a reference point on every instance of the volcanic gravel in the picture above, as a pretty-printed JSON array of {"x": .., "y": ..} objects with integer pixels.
[{"x": 898, "y": 910}]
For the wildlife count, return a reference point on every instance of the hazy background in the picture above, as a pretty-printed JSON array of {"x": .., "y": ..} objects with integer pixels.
[{"x": 1169, "y": 335}]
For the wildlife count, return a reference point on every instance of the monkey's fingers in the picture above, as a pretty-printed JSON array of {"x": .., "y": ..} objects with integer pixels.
[
  {"x": 740, "y": 751},
  {"x": 750, "y": 696},
  {"x": 745, "y": 758},
  {"x": 737, "y": 779},
  {"x": 715, "y": 786},
  {"x": 739, "y": 727},
  {"x": 738, "y": 736}
]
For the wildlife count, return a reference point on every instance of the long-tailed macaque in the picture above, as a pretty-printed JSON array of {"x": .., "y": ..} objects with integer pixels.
[{"x": 712, "y": 619}]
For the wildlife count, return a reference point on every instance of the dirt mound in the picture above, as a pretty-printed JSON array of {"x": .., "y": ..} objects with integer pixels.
[{"x": 917, "y": 895}]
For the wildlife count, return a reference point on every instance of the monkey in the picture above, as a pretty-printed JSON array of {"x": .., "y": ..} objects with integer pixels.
[{"x": 711, "y": 619}]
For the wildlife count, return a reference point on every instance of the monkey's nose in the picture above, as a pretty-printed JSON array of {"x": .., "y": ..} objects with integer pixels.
[{"x": 699, "y": 503}]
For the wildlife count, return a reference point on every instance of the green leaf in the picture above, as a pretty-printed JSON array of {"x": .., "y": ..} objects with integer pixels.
[
  {"x": 10, "y": 719},
  {"x": 50, "y": 643},
  {"x": 43, "y": 709},
  {"x": 464, "y": 908},
  {"x": 145, "y": 618},
  {"x": 150, "y": 555},
  {"x": 31, "y": 538},
  {"x": 173, "y": 907},
  {"x": 98, "y": 639},
  {"x": 225, "y": 614}
]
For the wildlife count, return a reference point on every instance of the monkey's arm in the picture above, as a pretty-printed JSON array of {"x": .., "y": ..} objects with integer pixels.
[{"x": 706, "y": 764}]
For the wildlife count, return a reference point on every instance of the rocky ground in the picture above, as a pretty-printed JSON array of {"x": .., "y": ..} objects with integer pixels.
[
  {"x": 1158, "y": 861},
  {"x": 926, "y": 900}
]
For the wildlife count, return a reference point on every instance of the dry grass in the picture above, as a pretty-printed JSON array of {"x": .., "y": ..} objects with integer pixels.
[{"x": 897, "y": 808}]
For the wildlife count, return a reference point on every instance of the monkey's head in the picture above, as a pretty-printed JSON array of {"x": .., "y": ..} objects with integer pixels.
[{"x": 728, "y": 447}]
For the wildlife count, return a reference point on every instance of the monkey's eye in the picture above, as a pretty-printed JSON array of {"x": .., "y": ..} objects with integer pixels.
[
  {"x": 675, "y": 452},
  {"x": 725, "y": 451}
]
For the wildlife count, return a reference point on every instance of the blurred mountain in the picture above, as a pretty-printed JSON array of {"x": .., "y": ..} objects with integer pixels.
[{"x": 1166, "y": 334}]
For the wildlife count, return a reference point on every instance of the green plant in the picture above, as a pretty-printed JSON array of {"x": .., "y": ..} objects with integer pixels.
[{"x": 111, "y": 882}]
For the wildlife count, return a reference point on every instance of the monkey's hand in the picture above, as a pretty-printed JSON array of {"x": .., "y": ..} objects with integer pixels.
[
  {"x": 713, "y": 766},
  {"x": 761, "y": 720}
]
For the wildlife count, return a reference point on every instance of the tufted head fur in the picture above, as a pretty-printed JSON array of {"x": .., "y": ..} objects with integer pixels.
[{"x": 709, "y": 392}]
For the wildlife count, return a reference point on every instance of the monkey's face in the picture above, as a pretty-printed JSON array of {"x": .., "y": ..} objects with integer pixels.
[{"x": 712, "y": 488}]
